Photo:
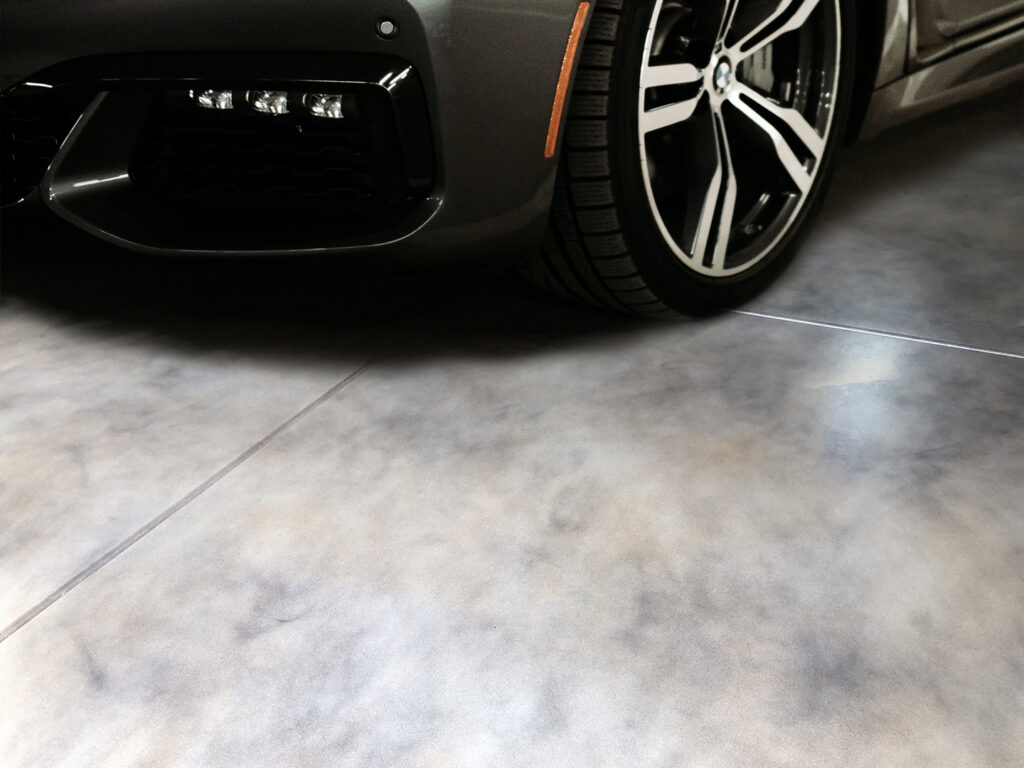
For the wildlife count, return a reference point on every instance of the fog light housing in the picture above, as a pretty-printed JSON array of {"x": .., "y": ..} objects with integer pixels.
[
  {"x": 210, "y": 98},
  {"x": 269, "y": 102},
  {"x": 328, "y": 105}
]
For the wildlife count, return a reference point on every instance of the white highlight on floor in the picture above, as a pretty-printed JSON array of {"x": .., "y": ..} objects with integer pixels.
[{"x": 883, "y": 334}]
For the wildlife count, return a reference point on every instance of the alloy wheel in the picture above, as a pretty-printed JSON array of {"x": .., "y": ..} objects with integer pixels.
[{"x": 736, "y": 109}]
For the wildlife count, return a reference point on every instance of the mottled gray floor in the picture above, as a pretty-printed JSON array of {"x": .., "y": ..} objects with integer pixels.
[{"x": 256, "y": 516}]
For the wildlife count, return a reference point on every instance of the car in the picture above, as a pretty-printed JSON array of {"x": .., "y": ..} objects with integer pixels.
[{"x": 656, "y": 157}]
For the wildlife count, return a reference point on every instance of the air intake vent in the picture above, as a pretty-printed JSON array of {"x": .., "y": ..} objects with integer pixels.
[{"x": 238, "y": 158}]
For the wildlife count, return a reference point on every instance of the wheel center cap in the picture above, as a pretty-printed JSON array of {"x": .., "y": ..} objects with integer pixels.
[{"x": 723, "y": 75}]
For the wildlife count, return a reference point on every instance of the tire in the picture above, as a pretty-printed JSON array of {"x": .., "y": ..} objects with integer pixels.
[{"x": 708, "y": 207}]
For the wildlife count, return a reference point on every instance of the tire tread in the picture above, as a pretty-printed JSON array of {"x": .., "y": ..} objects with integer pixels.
[{"x": 585, "y": 255}]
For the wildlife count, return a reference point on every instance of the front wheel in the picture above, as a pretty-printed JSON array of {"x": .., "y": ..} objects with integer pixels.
[{"x": 700, "y": 140}]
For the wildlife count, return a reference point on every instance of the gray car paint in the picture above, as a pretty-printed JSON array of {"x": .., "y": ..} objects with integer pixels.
[
  {"x": 955, "y": 17},
  {"x": 916, "y": 76},
  {"x": 490, "y": 70}
]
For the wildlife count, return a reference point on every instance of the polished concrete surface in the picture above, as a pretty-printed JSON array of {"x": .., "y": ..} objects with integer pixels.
[{"x": 255, "y": 516}]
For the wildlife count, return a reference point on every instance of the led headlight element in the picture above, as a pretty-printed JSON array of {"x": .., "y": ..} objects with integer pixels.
[
  {"x": 324, "y": 105},
  {"x": 269, "y": 102},
  {"x": 212, "y": 99}
]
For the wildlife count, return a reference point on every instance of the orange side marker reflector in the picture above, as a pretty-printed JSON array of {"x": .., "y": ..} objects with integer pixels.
[{"x": 563, "y": 79}]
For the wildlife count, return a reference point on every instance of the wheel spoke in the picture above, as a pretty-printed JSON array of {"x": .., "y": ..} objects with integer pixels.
[
  {"x": 786, "y": 154},
  {"x": 706, "y": 223},
  {"x": 728, "y": 212},
  {"x": 728, "y": 14},
  {"x": 797, "y": 123},
  {"x": 718, "y": 208},
  {"x": 798, "y": 11},
  {"x": 670, "y": 74},
  {"x": 670, "y": 114}
]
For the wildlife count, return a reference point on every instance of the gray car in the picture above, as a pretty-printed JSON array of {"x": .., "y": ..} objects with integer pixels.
[{"x": 657, "y": 156}]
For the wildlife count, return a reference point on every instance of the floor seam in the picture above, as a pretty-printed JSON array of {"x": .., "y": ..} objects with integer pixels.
[
  {"x": 177, "y": 506},
  {"x": 883, "y": 334}
]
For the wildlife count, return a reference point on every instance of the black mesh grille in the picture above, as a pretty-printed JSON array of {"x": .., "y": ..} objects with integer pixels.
[
  {"x": 243, "y": 160},
  {"x": 35, "y": 121}
]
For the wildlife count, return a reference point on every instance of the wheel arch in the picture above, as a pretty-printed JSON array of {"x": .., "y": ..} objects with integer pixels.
[{"x": 872, "y": 22}]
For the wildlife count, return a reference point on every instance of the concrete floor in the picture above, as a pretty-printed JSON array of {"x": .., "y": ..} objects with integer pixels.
[{"x": 252, "y": 517}]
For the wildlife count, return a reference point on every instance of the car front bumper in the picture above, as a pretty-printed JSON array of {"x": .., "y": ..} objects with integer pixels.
[{"x": 488, "y": 73}]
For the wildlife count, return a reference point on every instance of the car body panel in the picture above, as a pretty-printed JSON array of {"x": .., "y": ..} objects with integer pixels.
[
  {"x": 948, "y": 19},
  {"x": 939, "y": 29},
  {"x": 976, "y": 70},
  {"x": 918, "y": 75}
]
